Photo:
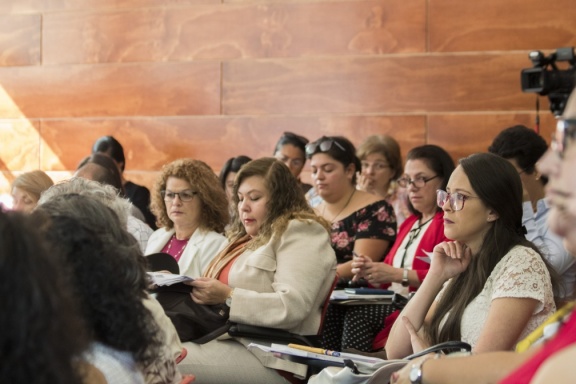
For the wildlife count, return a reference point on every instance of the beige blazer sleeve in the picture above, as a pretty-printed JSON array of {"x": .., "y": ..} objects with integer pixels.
[{"x": 284, "y": 283}]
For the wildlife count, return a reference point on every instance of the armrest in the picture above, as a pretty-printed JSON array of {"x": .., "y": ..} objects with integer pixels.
[
  {"x": 447, "y": 347},
  {"x": 270, "y": 334}
]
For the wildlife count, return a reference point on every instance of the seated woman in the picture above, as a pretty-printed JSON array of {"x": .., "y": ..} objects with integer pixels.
[
  {"x": 291, "y": 150},
  {"x": 43, "y": 336},
  {"x": 427, "y": 169},
  {"x": 551, "y": 358},
  {"x": 275, "y": 272},
  {"x": 490, "y": 286},
  {"x": 192, "y": 211},
  {"x": 107, "y": 274},
  {"x": 381, "y": 162},
  {"x": 27, "y": 188},
  {"x": 361, "y": 222},
  {"x": 229, "y": 171}
]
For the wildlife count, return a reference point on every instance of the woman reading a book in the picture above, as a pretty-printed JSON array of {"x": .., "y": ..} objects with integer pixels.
[{"x": 275, "y": 272}]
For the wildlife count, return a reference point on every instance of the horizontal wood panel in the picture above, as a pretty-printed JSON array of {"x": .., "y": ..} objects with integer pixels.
[
  {"x": 491, "y": 25},
  {"x": 464, "y": 134},
  {"x": 112, "y": 90},
  {"x": 20, "y": 40},
  {"x": 151, "y": 143},
  {"x": 37, "y": 6},
  {"x": 413, "y": 84},
  {"x": 275, "y": 30}
]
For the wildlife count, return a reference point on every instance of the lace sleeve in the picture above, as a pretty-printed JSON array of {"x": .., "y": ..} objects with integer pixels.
[{"x": 522, "y": 274}]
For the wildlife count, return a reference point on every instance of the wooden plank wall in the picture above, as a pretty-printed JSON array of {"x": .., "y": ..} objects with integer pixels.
[{"x": 212, "y": 79}]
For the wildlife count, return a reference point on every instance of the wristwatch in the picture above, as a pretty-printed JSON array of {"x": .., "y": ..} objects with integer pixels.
[
  {"x": 229, "y": 298},
  {"x": 405, "y": 281},
  {"x": 416, "y": 373}
]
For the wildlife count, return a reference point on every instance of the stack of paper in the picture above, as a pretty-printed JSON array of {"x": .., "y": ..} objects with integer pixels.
[
  {"x": 344, "y": 297},
  {"x": 161, "y": 278}
]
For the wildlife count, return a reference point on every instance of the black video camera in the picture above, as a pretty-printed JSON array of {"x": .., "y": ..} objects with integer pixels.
[{"x": 547, "y": 80}]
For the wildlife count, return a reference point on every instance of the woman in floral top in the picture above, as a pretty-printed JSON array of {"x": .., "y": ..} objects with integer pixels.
[{"x": 361, "y": 222}]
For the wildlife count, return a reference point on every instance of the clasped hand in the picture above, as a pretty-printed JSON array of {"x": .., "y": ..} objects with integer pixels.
[
  {"x": 374, "y": 273},
  {"x": 210, "y": 291}
]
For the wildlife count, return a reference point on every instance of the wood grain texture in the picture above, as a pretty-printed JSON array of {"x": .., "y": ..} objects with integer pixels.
[
  {"x": 150, "y": 143},
  {"x": 274, "y": 30},
  {"x": 112, "y": 90},
  {"x": 20, "y": 40},
  {"x": 39, "y": 6},
  {"x": 19, "y": 144},
  {"x": 491, "y": 25},
  {"x": 413, "y": 84},
  {"x": 464, "y": 134}
]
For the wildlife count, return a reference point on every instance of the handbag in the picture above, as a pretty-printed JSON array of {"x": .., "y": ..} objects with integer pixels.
[
  {"x": 358, "y": 373},
  {"x": 194, "y": 322}
]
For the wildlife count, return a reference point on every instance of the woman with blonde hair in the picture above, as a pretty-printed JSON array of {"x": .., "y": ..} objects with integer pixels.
[
  {"x": 27, "y": 188},
  {"x": 191, "y": 210},
  {"x": 381, "y": 162}
]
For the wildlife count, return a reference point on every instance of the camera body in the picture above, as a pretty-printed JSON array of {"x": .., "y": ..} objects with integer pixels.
[{"x": 546, "y": 79}]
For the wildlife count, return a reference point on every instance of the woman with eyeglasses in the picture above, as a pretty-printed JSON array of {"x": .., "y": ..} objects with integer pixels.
[
  {"x": 291, "y": 150},
  {"x": 381, "y": 162},
  {"x": 192, "y": 210},
  {"x": 488, "y": 286},
  {"x": 427, "y": 169}
]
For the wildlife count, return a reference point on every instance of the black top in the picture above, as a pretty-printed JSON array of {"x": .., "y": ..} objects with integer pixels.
[{"x": 140, "y": 197}]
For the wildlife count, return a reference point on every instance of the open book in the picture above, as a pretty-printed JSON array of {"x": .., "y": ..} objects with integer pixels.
[{"x": 160, "y": 278}]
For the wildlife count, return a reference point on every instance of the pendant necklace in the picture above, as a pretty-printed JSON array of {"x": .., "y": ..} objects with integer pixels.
[{"x": 343, "y": 208}]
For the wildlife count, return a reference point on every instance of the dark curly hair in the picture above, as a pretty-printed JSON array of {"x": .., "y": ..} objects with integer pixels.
[
  {"x": 43, "y": 335},
  {"x": 200, "y": 176},
  {"x": 107, "y": 272},
  {"x": 287, "y": 202}
]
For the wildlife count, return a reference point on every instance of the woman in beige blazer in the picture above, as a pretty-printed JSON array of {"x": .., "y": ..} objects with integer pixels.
[{"x": 275, "y": 272}]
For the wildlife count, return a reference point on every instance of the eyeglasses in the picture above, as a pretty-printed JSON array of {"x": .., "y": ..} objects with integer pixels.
[
  {"x": 456, "y": 199},
  {"x": 183, "y": 196},
  {"x": 418, "y": 182},
  {"x": 288, "y": 160},
  {"x": 324, "y": 144},
  {"x": 565, "y": 129},
  {"x": 377, "y": 165}
]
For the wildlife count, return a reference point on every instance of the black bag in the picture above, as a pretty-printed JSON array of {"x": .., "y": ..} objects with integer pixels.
[{"x": 194, "y": 322}]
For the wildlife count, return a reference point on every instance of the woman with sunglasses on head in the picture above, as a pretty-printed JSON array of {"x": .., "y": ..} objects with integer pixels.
[
  {"x": 192, "y": 210},
  {"x": 489, "y": 286},
  {"x": 427, "y": 169},
  {"x": 291, "y": 150},
  {"x": 361, "y": 222},
  {"x": 381, "y": 162}
]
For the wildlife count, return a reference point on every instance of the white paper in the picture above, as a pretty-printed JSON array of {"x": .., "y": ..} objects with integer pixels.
[{"x": 161, "y": 278}]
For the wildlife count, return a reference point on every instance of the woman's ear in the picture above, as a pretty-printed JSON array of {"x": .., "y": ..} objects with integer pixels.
[
  {"x": 492, "y": 216},
  {"x": 350, "y": 170}
]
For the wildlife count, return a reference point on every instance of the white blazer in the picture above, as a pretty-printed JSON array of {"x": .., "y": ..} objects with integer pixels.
[{"x": 202, "y": 247}]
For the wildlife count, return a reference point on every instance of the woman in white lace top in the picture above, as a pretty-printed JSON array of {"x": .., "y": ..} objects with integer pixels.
[{"x": 489, "y": 286}]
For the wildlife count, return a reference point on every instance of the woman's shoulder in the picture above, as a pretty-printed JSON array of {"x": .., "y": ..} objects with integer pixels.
[{"x": 304, "y": 225}]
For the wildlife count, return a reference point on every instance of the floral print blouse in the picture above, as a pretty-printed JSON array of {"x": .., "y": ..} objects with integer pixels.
[{"x": 374, "y": 221}]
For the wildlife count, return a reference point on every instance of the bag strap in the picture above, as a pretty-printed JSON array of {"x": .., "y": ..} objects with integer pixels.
[{"x": 446, "y": 346}]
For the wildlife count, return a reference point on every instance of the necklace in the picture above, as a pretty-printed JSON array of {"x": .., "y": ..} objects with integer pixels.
[
  {"x": 179, "y": 253},
  {"x": 343, "y": 208}
]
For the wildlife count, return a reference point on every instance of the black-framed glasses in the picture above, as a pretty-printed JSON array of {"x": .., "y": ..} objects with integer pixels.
[
  {"x": 456, "y": 199},
  {"x": 324, "y": 144},
  {"x": 565, "y": 129},
  {"x": 418, "y": 182},
  {"x": 182, "y": 195}
]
